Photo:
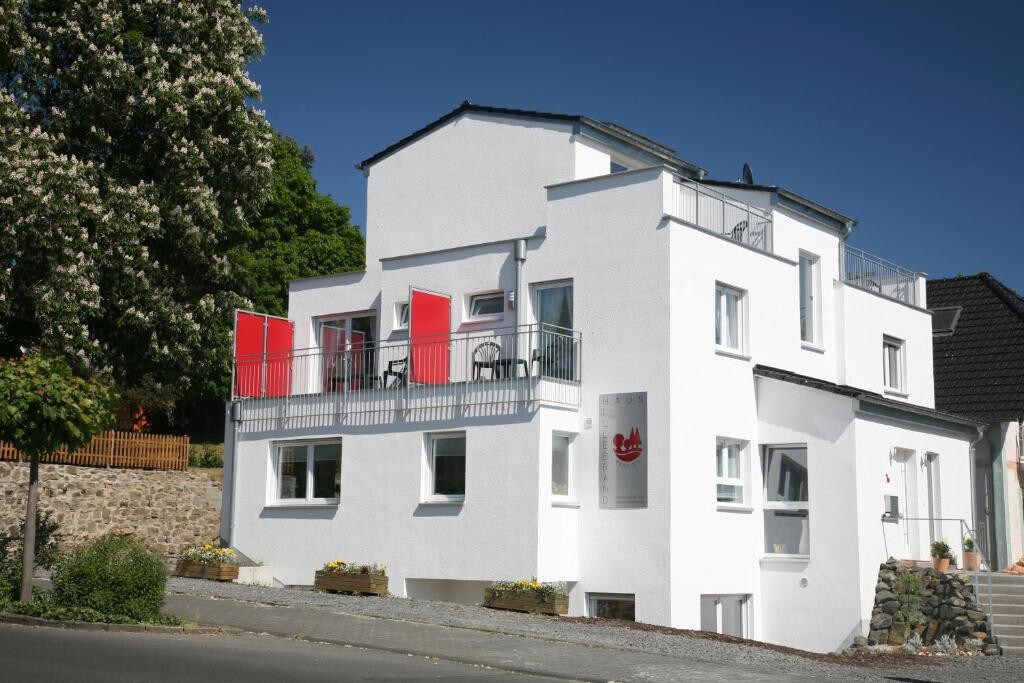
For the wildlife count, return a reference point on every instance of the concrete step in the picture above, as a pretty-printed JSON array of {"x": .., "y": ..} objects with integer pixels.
[
  {"x": 1008, "y": 619},
  {"x": 1015, "y": 642},
  {"x": 999, "y": 577},
  {"x": 1000, "y": 598},
  {"x": 1001, "y": 629},
  {"x": 1001, "y": 587},
  {"x": 1004, "y": 611}
]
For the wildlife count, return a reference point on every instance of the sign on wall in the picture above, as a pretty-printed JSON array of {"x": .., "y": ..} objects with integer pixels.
[{"x": 622, "y": 462}]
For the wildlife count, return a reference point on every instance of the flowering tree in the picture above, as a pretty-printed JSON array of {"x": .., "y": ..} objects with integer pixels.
[
  {"x": 44, "y": 407},
  {"x": 132, "y": 165}
]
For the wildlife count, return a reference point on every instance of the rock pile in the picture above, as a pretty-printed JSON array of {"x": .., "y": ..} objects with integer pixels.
[{"x": 946, "y": 605}]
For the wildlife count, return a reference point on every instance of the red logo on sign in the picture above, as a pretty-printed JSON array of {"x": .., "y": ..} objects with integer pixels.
[{"x": 628, "y": 450}]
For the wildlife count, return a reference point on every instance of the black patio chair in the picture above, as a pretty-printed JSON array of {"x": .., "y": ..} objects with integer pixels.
[
  {"x": 485, "y": 356},
  {"x": 399, "y": 369}
]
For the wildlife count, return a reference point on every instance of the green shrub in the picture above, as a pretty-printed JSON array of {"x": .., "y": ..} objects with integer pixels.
[
  {"x": 47, "y": 552},
  {"x": 115, "y": 575},
  {"x": 44, "y": 606},
  {"x": 205, "y": 455}
]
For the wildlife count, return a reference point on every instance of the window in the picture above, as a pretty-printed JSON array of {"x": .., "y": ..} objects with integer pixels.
[
  {"x": 729, "y": 318},
  {"x": 348, "y": 352},
  {"x": 730, "y": 472},
  {"x": 945, "y": 319},
  {"x": 786, "y": 504},
  {"x": 446, "y": 480},
  {"x": 308, "y": 473},
  {"x": 892, "y": 364},
  {"x": 809, "y": 292},
  {"x": 561, "y": 464},
  {"x": 487, "y": 306},
  {"x": 402, "y": 315},
  {"x": 726, "y": 614},
  {"x": 612, "y": 606}
]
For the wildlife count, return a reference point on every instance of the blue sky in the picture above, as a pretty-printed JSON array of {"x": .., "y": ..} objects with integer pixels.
[{"x": 904, "y": 115}]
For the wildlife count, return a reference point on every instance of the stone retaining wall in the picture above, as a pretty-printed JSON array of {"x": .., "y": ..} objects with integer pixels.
[
  {"x": 167, "y": 509},
  {"x": 947, "y": 607}
]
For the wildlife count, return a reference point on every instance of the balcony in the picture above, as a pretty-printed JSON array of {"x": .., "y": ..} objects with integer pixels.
[
  {"x": 502, "y": 371},
  {"x": 723, "y": 215},
  {"x": 866, "y": 271}
]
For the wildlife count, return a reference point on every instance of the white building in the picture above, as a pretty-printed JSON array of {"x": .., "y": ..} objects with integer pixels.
[{"x": 567, "y": 278}]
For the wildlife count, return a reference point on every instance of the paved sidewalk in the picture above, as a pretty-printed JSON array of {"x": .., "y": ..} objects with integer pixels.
[{"x": 510, "y": 653}]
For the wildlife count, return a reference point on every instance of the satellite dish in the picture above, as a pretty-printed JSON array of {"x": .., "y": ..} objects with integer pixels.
[{"x": 748, "y": 175}]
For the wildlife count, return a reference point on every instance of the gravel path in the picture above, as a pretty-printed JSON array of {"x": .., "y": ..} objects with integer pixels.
[{"x": 553, "y": 628}]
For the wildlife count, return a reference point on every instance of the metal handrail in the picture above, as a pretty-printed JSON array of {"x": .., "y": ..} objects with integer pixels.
[
  {"x": 875, "y": 274},
  {"x": 714, "y": 211}
]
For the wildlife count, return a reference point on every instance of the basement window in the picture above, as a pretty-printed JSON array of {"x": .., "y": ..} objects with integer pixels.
[{"x": 620, "y": 606}]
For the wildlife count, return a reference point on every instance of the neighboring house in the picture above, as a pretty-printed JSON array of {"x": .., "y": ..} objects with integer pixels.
[
  {"x": 978, "y": 337},
  {"x": 571, "y": 356}
]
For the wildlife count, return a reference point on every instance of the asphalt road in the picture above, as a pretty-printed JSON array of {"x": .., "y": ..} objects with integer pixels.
[{"x": 50, "y": 654}]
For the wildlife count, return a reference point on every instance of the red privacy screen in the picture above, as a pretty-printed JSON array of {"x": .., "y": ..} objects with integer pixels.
[
  {"x": 429, "y": 320},
  {"x": 263, "y": 350}
]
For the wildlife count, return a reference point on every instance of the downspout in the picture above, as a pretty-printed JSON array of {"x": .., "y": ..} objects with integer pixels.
[
  {"x": 236, "y": 424},
  {"x": 519, "y": 254}
]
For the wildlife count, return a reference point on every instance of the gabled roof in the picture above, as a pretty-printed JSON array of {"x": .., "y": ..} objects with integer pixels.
[
  {"x": 619, "y": 133},
  {"x": 979, "y": 367}
]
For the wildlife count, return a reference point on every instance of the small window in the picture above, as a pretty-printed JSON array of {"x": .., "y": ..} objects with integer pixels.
[
  {"x": 308, "y": 473},
  {"x": 809, "y": 294},
  {"x": 729, "y": 318},
  {"x": 612, "y": 606},
  {"x": 402, "y": 315},
  {"x": 446, "y": 479},
  {"x": 616, "y": 168},
  {"x": 561, "y": 464},
  {"x": 893, "y": 373},
  {"x": 730, "y": 472},
  {"x": 725, "y": 614},
  {"x": 786, "y": 501},
  {"x": 944, "y": 320},
  {"x": 487, "y": 305}
]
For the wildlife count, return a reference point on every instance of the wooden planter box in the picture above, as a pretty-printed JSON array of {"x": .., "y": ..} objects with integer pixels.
[
  {"x": 526, "y": 602},
  {"x": 373, "y": 584},
  {"x": 216, "y": 572}
]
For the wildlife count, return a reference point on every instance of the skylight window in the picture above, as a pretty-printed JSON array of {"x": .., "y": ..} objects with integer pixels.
[{"x": 944, "y": 320}]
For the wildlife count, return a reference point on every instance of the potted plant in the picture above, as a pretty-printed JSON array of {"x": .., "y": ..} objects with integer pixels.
[
  {"x": 941, "y": 556},
  {"x": 340, "y": 576},
  {"x": 527, "y": 595},
  {"x": 972, "y": 558},
  {"x": 208, "y": 562}
]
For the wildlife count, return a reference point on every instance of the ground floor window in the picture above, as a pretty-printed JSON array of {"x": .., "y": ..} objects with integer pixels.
[
  {"x": 726, "y": 614},
  {"x": 730, "y": 472},
  {"x": 786, "y": 501},
  {"x": 620, "y": 606},
  {"x": 446, "y": 467},
  {"x": 307, "y": 472}
]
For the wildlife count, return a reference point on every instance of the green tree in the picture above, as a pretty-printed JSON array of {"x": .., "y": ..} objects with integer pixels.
[
  {"x": 43, "y": 407},
  {"x": 131, "y": 167},
  {"x": 299, "y": 232}
]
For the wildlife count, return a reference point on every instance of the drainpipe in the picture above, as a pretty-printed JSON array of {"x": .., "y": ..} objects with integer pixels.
[
  {"x": 520, "y": 257},
  {"x": 236, "y": 424},
  {"x": 973, "y": 450}
]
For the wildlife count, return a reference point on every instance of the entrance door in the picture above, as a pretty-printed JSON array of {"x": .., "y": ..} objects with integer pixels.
[
  {"x": 906, "y": 471},
  {"x": 555, "y": 349},
  {"x": 984, "y": 509}
]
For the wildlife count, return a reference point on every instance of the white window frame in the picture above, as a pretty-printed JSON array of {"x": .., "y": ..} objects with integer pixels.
[
  {"x": 721, "y": 321},
  {"x": 901, "y": 356},
  {"x": 785, "y": 504},
  {"x": 429, "y": 482},
  {"x": 813, "y": 304},
  {"x": 742, "y": 481},
  {"x": 473, "y": 298},
  {"x": 568, "y": 498},
  {"x": 719, "y": 598},
  {"x": 402, "y": 315},
  {"x": 275, "y": 480}
]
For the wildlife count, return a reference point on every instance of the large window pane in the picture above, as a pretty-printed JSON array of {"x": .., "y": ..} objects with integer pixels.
[
  {"x": 560, "y": 465},
  {"x": 787, "y": 532},
  {"x": 450, "y": 466},
  {"x": 806, "y": 298},
  {"x": 786, "y": 475},
  {"x": 614, "y": 608},
  {"x": 327, "y": 471},
  {"x": 292, "y": 475}
]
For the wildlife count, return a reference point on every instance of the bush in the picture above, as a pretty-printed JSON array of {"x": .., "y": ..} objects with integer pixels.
[
  {"x": 115, "y": 575},
  {"x": 946, "y": 645},
  {"x": 913, "y": 645},
  {"x": 43, "y": 606},
  {"x": 205, "y": 455},
  {"x": 47, "y": 552}
]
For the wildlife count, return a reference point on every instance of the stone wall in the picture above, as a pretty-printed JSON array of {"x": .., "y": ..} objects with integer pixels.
[
  {"x": 947, "y": 606},
  {"x": 168, "y": 510}
]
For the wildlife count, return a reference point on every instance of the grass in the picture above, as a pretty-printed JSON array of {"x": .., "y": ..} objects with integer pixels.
[{"x": 42, "y": 605}]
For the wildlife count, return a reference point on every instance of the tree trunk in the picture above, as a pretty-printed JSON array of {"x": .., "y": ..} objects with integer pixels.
[{"x": 28, "y": 558}]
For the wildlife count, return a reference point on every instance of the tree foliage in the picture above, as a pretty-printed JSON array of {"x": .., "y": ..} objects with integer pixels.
[
  {"x": 132, "y": 164},
  {"x": 44, "y": 407},
  {"x": 299, "y": 232}
]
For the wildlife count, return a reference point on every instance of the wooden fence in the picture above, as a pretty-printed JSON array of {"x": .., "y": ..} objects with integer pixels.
[{"x": 119, "y": 449}]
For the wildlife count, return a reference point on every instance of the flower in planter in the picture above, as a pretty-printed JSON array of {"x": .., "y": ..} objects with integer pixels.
[
  {"x": 334, "y": 566},
  {"x": 529, "y": 586},
  {"x": 342, "y": 567},
  {"x": 209, "y": 554}
]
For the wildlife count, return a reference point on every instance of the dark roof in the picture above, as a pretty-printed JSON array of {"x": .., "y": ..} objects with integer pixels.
[
  {"x": 979, "y": 368},
  {"x": 863, "y": 395},
  {"x": 614, "y": 130},
  {"x": 845, "y": 222}
]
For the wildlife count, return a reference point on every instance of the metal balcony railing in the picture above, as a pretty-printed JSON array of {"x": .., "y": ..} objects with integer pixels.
[
  {"x": 864, "y": 270},
  {"x": 721, "y": 214},
  {"x": 508, "y": 366}
]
